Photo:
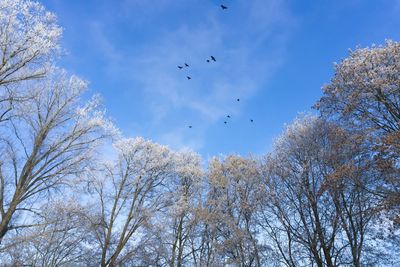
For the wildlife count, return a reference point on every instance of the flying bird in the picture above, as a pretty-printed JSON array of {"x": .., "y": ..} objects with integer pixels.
[
  {"x": 180, "y": 67},
  {"x": 228, "y": 116},
  {"x": 225, "y": 122},
  {"x": 188, "y": 77},
  {"x": 213, "y": 59},
  {"x": 186, "y": 65},
  {"x": 224, "y": 7},
  {"x": 208, "y": 61},
  {"x": 190, "y": 126},
  {"x": 238, "y": 99},
  {"x": 251, "y": 120}
]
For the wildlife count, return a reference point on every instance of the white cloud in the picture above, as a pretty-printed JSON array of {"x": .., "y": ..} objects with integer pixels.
[{"x": 248, "y": 41}]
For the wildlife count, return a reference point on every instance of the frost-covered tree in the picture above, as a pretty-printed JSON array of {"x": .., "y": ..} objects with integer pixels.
[
  {"x": 172, "y": 235},
  {"x": 180, "y": 217},
  {"x": 364, "y": 94},
  {"x": 127, "y": 193},
  {"x": 232, "y": 203},
  {"x": 318, "y": 211},
  {"x": 29, "y": 42},
  {"x": 50, "y": 139},
  {"x": 60, "y": 238},
  {"x": 29, "y": 38}
]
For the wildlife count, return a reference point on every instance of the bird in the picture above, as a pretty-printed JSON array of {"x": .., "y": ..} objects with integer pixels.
[
  {"x": 188, "y": 77},
  {"x": 224, "y": 7},
  {"x": 190, "y": 126},
  {"x": 238, "y": 99},
  {"x": 213, "y": 59},
  {"x": 251, "y": 120},
  {"x": 225, "y": 122},
  {"x": 180, "y": 67},
  {"x": 228, "y": 116},
  {"x": 186, "y": 65},
  {"x": 208, "y": 61}
]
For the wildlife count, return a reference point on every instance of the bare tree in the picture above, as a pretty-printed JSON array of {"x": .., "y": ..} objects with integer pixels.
[
  {"x": 233, "y": 201},
  {"x": 59, "y": 239},
  {"x": 318, "y": 212},
  {"x": 29, "y": 37},
  {"x": 129, "y": 192},
  {"x": 171, "y": 236},
  {"x": 50, "y": 138},
  {"x": 180, "y": 217},
  {"x": 365, "y": 94}
]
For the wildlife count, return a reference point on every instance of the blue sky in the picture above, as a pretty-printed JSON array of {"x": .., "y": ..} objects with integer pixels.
[{"x": 272, "y": 54}]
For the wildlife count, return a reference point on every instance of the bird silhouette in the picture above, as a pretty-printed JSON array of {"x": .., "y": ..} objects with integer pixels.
[
  {"x": 213, "y": 59},
  {"x": 180, "y": 67},
  {"x": 188, "y": 77},
  {"x": 238, "y": 99},
  {"x": 228, "y": 116},
  {"x": 190, "y": 126},
  {"x": 224, "y": 7},
  {"x": 225, "y": 122},
  {"x": 251, "y": 120},
  {"x": 186, "y": 65},
  {"x": 208, "y": 61}
]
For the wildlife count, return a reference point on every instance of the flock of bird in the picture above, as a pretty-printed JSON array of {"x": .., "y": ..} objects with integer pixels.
[{"x": 210, "y": 60}]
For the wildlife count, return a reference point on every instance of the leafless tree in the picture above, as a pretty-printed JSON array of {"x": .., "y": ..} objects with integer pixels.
[
  {"x": 233, "y": 202},
  {"x": 59, "y": 239},
  {"x": 29, "y": 37},
  {"x": 180, "y": 219},
  {"x": 128, "y": 193},
  {"x": 318, "y": 212},
  {"x": 50, "y": 138},
  {"x": 365, "y": 94}
]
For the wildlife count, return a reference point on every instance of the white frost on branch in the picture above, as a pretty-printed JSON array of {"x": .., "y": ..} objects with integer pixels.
[{"x": 29, "y": 40}]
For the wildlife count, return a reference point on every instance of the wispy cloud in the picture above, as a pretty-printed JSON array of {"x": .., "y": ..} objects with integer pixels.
[{"x": 249, "y": 42}]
